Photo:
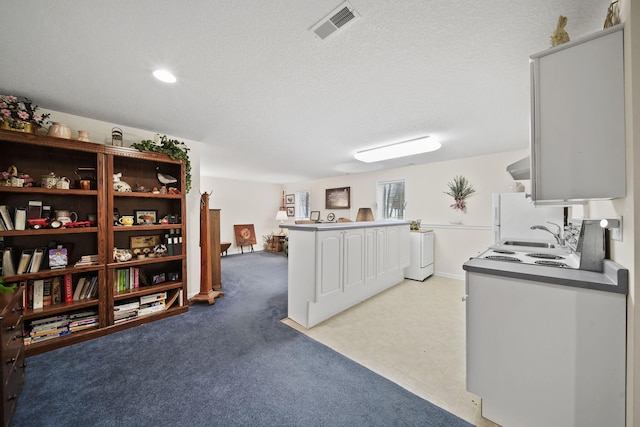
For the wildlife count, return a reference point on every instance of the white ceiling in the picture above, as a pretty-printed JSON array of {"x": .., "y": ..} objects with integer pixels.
[{"x": 270, "y": 101}]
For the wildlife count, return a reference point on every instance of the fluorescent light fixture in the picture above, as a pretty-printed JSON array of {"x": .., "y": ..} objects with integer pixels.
[
  {"x": 424, "y": 144},
  {"x": 165, "y": 76}
]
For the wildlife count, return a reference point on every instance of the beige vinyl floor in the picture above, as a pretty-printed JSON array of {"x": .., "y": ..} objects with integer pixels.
[{"x": 414, "y": 335}]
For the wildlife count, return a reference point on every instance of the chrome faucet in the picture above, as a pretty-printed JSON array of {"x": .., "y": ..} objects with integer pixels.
[{"x": 557, "y": 236}]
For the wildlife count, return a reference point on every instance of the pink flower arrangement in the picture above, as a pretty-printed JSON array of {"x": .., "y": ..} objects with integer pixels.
[{"x": 14, "y": 110}]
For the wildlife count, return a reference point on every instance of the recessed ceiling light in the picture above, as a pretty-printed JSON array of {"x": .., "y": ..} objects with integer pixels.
[
  {"x": 420, "y": 145},
  {"x": 164, "y": 75}
]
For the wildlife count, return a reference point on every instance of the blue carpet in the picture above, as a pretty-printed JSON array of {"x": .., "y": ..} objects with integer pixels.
[{"x": 230, "y": 364}]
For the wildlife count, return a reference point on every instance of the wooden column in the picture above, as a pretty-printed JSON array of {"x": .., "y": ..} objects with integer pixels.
[
  {"x": 207, "y": 294},
  {"x": 214, "y": 243}
]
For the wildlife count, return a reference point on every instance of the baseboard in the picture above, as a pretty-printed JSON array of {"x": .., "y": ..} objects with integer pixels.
[{"x": 449, "y": 275}]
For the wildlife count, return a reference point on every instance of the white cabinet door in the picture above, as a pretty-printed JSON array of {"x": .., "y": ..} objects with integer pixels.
[
  {"x": 354, "y": 258},
  {"x": 329, "y": 263},
  {"x": 578, "y": 120},
  {"x": 370, "y": 253},
  {"x": 381, "y": 252},
  {"x": 397, "y": 248}
]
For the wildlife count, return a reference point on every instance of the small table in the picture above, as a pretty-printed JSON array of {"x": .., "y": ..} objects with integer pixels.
[
  {"x": 277, "y": 243},
  {"x": 224, "y": 247}
]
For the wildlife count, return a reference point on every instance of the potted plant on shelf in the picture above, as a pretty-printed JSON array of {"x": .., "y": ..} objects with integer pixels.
[
  {"x": 20, "y": 115},
  {"x": 459, "y": 189},
  {"x": 176, "y": 150}
]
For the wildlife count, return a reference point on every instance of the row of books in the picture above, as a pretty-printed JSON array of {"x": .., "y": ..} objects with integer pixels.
[
  {"x": 173, "y": 241},
  {"x": 35, "y": 210},
  {"x": 41, "y": 293},
  {"x": 47, "y": 328},
  {"x": 145, "y": 305},
  {"x": 31, "y": 260}
]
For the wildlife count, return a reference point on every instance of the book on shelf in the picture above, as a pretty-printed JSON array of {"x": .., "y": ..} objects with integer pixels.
[
  {"x": 151, "y": 308},
  {"x": 57, "y": 258},
  {"x": 46, "y": 292},
  {"x": 38, "y": 293},
  {"x": 68, "y": 288},
  {"x": 36, "y": 261},
  {"x": 127, "y": 306},
  {"x": 5, "y": 217},
  {"x": 159, "y": 296},
  {"x": 8, "y": 267},
  {"x": 56, "y": 290},
  {"x": 20, "y": 218},
  {"x": 79, "y": 287},
  {"x": 90, "y": 287},
  {"x": 47, "y": 320},
  {"x": 25, "y": 260},
  {"x": 29, "y": 295},
  {"x": 178, "y": 247}
]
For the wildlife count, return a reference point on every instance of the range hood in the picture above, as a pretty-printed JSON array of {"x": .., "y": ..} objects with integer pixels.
[{"x": 520, "y": 169}]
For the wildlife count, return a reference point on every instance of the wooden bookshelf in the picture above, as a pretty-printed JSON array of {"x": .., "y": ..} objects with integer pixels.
[{"x": 40, "y": 155}]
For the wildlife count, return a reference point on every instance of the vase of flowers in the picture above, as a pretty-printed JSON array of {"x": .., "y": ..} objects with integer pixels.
[
  {"x": 20, "y": 115},
  {"x": 459, "y": 189}
]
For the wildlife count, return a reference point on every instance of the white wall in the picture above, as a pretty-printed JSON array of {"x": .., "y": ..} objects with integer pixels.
[
  {"x": 425, "y": 187},
  {"x": 243, "y": 202}
]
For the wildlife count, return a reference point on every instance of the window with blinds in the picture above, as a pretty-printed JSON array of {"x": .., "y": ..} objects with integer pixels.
[
  {"x": 391, "y": 200},
  {"x": 303, "y": 204}
]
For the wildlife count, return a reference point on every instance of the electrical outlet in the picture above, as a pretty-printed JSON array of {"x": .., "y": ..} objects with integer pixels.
[{"x": 616, "y": 233}]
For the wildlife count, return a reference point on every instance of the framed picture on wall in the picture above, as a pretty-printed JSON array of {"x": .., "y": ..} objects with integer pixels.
[
  {"x": 290, "y": 199},
  {"x": 338, "y": 198},
  {"x": 291, "y": 211}
]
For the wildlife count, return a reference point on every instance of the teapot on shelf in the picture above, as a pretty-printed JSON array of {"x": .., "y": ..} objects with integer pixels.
[
  {"x": 64, "y": 216},
  {"x": 49, "y": 181},
  {"x": 63, "y": 183}
]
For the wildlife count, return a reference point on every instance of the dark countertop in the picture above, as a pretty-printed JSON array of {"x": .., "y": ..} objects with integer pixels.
[
  {"x": 324, "y": 226},
  {"x": 614, "y": 278}
]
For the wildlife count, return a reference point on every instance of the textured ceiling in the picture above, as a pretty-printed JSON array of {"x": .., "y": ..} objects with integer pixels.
[{"x": 269, "y": 100}]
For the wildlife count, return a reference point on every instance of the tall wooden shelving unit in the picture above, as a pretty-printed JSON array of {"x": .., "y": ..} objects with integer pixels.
[
  {"x": 139, "y": 168},
  {"x": 40, "y": 155}
]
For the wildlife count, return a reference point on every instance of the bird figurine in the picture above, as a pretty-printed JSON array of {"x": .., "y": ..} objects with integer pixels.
[
  {"x": 560, "y": 36},
  {"x": 165, "y": 179}
]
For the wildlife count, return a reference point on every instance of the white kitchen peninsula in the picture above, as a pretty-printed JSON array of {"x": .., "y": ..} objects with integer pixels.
[{"x": 334, "y": 266}]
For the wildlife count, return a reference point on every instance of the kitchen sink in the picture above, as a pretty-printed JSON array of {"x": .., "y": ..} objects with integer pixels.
[{"x": 530, "y": 244}]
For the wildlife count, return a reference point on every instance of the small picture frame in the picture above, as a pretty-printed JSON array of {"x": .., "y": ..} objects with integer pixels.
[
  {"x": 143, "y": 245},
  {"x": 315, "y": 216},
  {"x": 290, "y": 199},
  {"x": 291, "y": 211},
  {"x": 338, "y": 198},
  {"x": 145, "y": 217}
]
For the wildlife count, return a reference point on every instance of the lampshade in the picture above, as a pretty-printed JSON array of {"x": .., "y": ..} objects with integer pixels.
[
  {"x": 281, "y": 215},
  {"x": 399, "y": 149},
  {"x": 364, "y": 214}
]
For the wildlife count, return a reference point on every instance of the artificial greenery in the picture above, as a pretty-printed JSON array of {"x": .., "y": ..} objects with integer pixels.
[
  {"x": 176, "y": 150},
  {"x": 6, "y": 289},
  {"x": 459, "y": 189}
]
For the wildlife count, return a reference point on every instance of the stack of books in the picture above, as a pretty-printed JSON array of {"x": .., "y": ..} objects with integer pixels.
[
  {"x": 83, "y": 320},
  {"x": 125, "y": 311},
  {"x": 152, "y": 303},
  {"x": 46, "y": 328},
  {"x": 87, "y": 260}
]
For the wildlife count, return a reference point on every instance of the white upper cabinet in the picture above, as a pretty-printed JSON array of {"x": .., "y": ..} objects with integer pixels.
[{"x": 578, "y": 124}]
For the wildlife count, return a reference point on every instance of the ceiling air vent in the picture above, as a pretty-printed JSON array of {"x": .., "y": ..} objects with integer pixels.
[{"x": 338, "y": 18}]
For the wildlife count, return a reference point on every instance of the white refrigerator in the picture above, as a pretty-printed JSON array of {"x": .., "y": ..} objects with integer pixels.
[{"x": 514, "y": 214}]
